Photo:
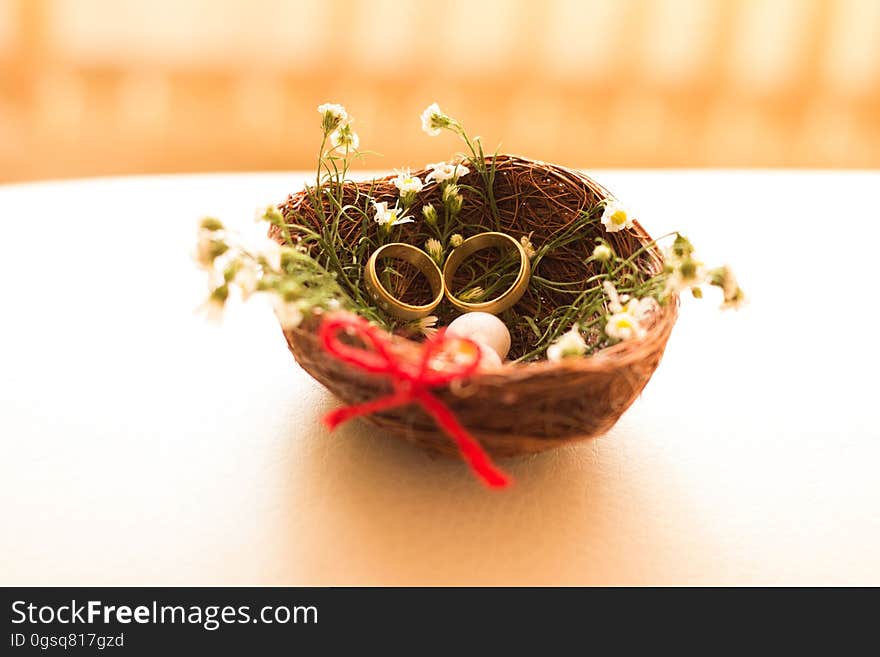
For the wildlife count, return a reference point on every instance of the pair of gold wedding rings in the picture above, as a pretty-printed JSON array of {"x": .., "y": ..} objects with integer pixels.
[{"x": 440, "y": 281}]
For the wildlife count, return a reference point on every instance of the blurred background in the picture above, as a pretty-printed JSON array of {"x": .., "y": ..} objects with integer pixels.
[{"x": 92, "y": 87}]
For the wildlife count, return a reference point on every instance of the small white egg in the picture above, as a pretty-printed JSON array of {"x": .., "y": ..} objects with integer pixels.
[{"x": 484, "y": 328}]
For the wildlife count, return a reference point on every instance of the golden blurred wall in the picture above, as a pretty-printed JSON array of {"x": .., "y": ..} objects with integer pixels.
[{"x": 130, "y": 86}]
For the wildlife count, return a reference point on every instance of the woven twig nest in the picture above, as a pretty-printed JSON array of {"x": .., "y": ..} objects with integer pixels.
[{"x": 522, "y": 407}]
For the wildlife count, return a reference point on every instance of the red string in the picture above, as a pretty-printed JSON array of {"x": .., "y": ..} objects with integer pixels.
[{"x": 411, "y": 383}]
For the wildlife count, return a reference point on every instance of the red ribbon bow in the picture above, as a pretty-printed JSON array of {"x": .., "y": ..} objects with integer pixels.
[{"x": 411, "y": 383}]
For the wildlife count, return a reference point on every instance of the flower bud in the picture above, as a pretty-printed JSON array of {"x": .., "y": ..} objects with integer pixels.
[
  {"x": 430, "y": 214},
  {"x": 450, "y": 190},
  {"x": 211, "y": 224},
  {"x": 332, "y": 116},
  {"x": 273, "y": 216},
  {"x": 434, "y": 249},
  {"x": 220, "y": 294},
  {"x": 682, "y": 247},
  {"x": 603, "y": 253},
  {"x": 456, "y": 203}
]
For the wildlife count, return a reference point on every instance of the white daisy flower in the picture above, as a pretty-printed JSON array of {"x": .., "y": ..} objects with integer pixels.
[
  {"x": 624, "y": 326},
  {"x": 345, "y": 137},
  {"x": 388, "y": 217},
  {"x": 443, "y": 171},
  {"x": 615, "y": 217},
  {"x": 434, "y": 120},
  {"x": 567, "y": 345},
  {"x": 688, "y": 273},
  {"x": 627, "y": 313},
  {"x": 640, "y": 308},
  {"x": 408, "y": 183},
  {"x": 335, "y": 110},
  {"x": 333, "y": 115},
  {"x": 527, "y": 246}
]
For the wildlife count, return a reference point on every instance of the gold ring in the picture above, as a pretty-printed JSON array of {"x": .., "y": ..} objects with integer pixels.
[
  {"x": 416, "y": 257},
  {"x": 484, "y": 241}
]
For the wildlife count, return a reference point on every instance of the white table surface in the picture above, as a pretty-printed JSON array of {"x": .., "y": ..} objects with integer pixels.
[{"x": 141, "y": 445}]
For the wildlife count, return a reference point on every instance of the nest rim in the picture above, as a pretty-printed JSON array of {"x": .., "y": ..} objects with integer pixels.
[{"x": 623, "y": 352}]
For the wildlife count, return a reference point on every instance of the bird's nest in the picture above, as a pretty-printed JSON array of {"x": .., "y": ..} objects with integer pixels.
[{"x": 531, "y": 403}]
